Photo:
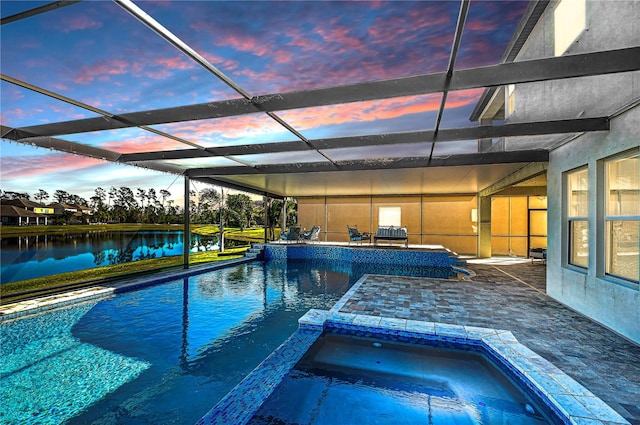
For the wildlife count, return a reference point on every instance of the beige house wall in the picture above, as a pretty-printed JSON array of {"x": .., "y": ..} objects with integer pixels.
[
  {"x": 441, "y": 220},
  {"x": 518, "y": 222}
]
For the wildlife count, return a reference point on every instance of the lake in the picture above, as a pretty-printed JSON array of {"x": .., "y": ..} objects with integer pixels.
[{"x": 27, "y": 257}]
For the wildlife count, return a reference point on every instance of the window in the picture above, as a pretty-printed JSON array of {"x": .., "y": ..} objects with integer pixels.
[
  {"x": 622, "y": 216},
  {"x": 578, "y": 217},
  {"x": 569, "y": 20},
  {"x": 511, "y": 99},
  {"x": 390, "y": 216}
]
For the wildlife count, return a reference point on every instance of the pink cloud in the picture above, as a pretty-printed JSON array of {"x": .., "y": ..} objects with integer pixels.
[
  {"x": 235, "y": 40},
  {"x": 245, "y": 43},
  {"x": 101, "y": 70},
  {"x": 44, "y": 165},
  {"x": 461, "y": 98},
  {"x": 226, "y": 64},
  {"x": 143, "y": 144},
  {"x": 207, "y": 131},
  {"x": 282, "y": 56},
  {"x": 481, "y": 26},
  {"x": 340, "y": 40},
  {"x": 7, "y": 117},
  {"x": 176, "y": 62},
  {"x": 61, "y": 86},
  {"x": 362, "y": 111},
  {"x": 78, "y": 22},
  {"x": 159, "y": 74}
]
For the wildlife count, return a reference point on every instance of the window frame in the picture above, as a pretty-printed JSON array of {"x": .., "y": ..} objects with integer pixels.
[
  {"x": 509, "y": 99},
  {"x": 609, "y": 219},
  {"x": 571, "y": 219},
  {"x": 389, "y": 211}
]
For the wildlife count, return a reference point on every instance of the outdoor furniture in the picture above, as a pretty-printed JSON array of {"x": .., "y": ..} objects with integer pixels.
[
  {"x": 538, "y": 254},
  {"x": 356, "y": 236},
  {"x": 293, "y": 234},
  {"x": 391, "y": 233},
  {"x": 311, "y": 235}
]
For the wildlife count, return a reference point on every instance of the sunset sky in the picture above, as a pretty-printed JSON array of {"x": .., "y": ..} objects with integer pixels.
[{"x": 96, "y": 53}]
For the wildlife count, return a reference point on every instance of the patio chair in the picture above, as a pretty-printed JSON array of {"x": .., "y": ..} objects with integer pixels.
[
  {"x": 311, "y": 235},
  {"x": 356, "y": 236},
  {"x": 293, "y": 234}
]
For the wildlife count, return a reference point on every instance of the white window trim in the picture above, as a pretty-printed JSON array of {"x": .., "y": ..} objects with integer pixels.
[
  {"x": 606, "y": 218},
  {"x": 390, "y": 216},
  {"x": 568, "y": 219}
]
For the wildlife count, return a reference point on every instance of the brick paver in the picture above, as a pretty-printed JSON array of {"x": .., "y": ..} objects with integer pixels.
[{"x": 513, "y": 297}]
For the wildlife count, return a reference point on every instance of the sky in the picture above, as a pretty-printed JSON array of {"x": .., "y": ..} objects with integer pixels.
[{"x": 97, "y": 53}]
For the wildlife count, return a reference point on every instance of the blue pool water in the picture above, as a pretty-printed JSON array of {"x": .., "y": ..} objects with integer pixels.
[
  {"x": 165, "y": 354},
  {"x": 350, "y": 380}
]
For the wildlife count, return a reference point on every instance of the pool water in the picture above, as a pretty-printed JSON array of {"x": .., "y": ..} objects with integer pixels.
[
  {"x": 349, "y": 380},
  {"x": 164, "y": 354}
]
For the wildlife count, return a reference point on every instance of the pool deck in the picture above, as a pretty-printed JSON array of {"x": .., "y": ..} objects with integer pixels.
[{"x": 510, "y": 294}]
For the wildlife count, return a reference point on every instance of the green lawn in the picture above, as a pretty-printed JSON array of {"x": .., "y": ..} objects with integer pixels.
[{"x": 11, "y": 290}]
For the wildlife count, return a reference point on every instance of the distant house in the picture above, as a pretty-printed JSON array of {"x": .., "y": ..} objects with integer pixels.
[
  {"x": 23, "y": 212},
  {"x": 70, "y": 212},
  {"x": 11, "y": 215}
]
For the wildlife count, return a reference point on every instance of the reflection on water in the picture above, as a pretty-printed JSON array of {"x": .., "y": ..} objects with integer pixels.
[
  {"x": 26, "y": 257},
  {"x": 161, "y": 355}
]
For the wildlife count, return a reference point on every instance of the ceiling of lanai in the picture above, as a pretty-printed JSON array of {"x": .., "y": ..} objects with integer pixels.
[{"x": 285, "y": 98}]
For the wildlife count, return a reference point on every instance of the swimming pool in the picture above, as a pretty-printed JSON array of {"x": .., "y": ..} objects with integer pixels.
[
  {"x": 164, "y": 354},
  {"x": 562, "y": 398},
  {"x": 358, "y": 380}
]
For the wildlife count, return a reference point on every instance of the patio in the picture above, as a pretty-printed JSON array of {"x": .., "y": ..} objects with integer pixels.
[{"x": 510, "y": 294}]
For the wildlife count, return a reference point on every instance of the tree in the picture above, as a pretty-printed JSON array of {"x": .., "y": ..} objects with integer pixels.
[
  {"x": 78, "y": 200},
  {"x": 125, "y": 207},
  {"x": 113, "y": 194},
  {"x": 100, "y": 211},
  {"x": 142, "y": 195},
  {"x": 208, "y": 205},
  {"x": 61, "y": 196},
  {"x": 7, "y": 194},
  {"x": 164, "y": 194},
  {"x": 240, "y": 210},
  {"x": 163, "y": 214},
  {"x": 42, "y": 195}
]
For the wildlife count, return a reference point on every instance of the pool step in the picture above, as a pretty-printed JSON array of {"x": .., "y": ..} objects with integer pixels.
[{"x": 256, "y": 251}]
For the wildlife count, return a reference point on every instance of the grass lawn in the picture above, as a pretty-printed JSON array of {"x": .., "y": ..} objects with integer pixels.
[{"x": 10, "y": 291}]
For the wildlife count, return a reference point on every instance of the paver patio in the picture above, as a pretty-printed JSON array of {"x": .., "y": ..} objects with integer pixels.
[{"x": 512, "y": 296}]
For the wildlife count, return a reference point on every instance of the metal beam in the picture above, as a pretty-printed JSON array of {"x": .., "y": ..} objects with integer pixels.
[
  {"x": 445, "y": 135},
  {"x": 66, "y": 146},
  {"x": 587, "y": 64},
  {"x": 235, "y": 186},
  {"x": 536, "y": 155},
  {"x": 462, "y": 18},
  {"x": 187, "y": 223},
  {"x": 64, "y": 129},
  {"x": 36, "y": 11},
  {"x": 163, "y": 32},
  {"x": 524, "y": 173}
]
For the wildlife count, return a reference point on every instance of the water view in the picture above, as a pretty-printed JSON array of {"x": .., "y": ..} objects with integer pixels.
[{"x": 27, "y": 257}]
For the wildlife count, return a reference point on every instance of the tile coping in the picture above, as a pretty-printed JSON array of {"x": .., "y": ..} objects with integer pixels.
[{"x": 572, "y": 403}]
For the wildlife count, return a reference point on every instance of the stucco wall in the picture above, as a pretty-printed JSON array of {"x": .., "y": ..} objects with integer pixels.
[
  {"x": 609, "y": 25},
  {"x": 604, "y": 299}
]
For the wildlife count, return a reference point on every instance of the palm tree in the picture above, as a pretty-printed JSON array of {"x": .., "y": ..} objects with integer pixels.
[{"x": 41, "y": 195}]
